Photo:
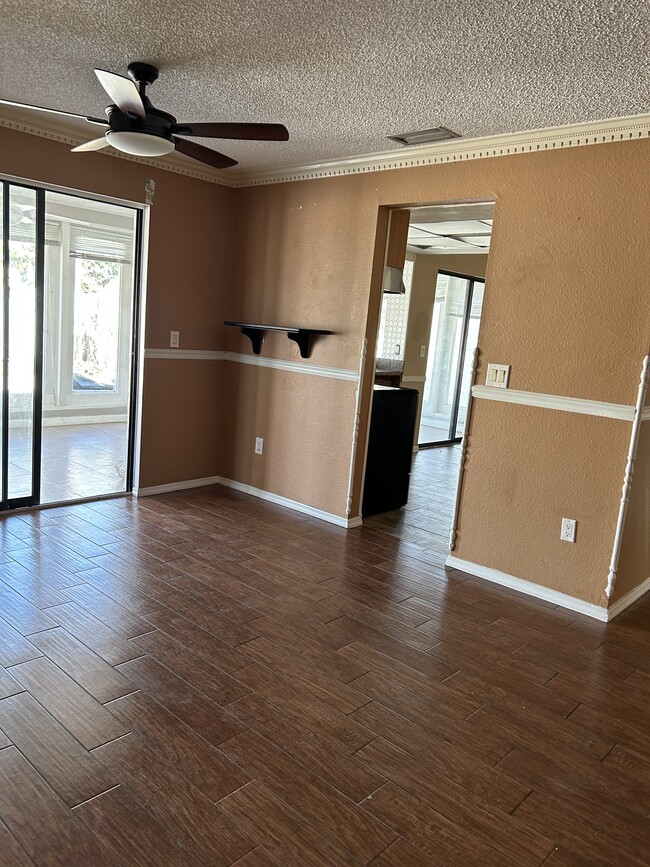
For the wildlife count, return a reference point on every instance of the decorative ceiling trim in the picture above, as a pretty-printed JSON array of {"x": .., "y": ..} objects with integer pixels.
[{"x": 620, "y": 129}]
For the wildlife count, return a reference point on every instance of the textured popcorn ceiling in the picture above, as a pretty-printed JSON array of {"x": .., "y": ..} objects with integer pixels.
[{"x": 341, "y": 74}]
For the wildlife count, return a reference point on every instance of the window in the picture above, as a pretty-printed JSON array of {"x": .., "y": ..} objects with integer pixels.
[
  {"x": 89, "y": 285},
  {"x": 394, "y": 318}
]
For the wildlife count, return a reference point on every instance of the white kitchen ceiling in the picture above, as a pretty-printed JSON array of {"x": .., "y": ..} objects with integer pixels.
[
  {"x": 458, "y": 228},
  {"x": 340, "y": 75}
]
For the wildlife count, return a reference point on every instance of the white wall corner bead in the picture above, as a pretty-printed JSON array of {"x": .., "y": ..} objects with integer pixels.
[
  {"x": 627, "y": 479},
  {"x": 463, "y": 457},
  {"x": 149, "y": 191},
  {"x": 355, "y": 425}
]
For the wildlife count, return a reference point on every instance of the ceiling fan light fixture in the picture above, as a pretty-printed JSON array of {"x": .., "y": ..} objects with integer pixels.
[
  {"x": 140, "y": 144},
  {"x": 425, "y": 136}
]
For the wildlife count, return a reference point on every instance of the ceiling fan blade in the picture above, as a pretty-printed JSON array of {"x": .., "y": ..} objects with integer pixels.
[
  {"x": 52, "y": 111},
  {"x": 242, "y": 131},
  {"x": 204, "y": 155},
  {"x": 123, "y": 92},
  {"x": 95, "y": 145}
]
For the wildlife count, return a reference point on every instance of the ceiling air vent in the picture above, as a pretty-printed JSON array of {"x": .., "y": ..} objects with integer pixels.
[{"x": 425, "y": 136}]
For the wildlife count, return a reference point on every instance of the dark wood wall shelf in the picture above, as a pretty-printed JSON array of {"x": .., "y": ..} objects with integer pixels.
[{"x": 301, "y": 336}]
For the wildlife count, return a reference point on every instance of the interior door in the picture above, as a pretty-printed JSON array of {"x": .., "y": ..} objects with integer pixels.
[{"x": 21, "y": 343}]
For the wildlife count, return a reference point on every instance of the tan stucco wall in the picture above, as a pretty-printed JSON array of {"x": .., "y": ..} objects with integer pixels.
[{"x": 566, "y": 306}]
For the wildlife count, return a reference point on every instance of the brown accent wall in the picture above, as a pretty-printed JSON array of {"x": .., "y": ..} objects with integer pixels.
[{"x": 190, "y": 246}]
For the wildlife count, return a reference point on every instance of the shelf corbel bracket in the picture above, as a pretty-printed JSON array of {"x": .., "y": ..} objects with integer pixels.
[
  {"x": 303, "y": 339},
  {"x": 256, "y": 336}
]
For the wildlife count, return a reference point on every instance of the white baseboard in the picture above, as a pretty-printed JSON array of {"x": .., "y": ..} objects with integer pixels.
[
  {"x": 291, "y": 504},
  {"x": 348, "y": 523},
  {"x": 530, "y": 589},
  {"x": 628, "y": 599},
  {"x": 177, "y": 486}
]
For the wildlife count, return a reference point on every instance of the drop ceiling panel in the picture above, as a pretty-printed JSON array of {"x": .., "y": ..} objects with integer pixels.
[{"x": 453, "y": 227}]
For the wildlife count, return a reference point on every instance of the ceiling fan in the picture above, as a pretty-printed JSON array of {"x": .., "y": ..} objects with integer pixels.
[{"x": 135, "y": 127}]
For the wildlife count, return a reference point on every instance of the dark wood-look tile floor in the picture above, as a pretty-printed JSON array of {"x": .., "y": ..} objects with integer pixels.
[
  {"x": 426, "y": 518},
  {"x": 202, "y": 678}
]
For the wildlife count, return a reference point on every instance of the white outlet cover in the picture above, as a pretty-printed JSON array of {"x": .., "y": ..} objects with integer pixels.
[
  {"x": 174, "y": 339},
  {"x": 498, "y": 375},
  {"x": 259, "y": 445},
  {"x": 568, "y": 531}
]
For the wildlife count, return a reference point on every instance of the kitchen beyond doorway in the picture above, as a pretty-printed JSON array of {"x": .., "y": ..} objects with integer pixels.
[{"x": 427, "y": 337}]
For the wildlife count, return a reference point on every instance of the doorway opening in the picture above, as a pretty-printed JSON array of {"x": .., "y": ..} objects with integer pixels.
[
  {"x": 424, "y": 369},
  {"x": 70, "y": 306}
]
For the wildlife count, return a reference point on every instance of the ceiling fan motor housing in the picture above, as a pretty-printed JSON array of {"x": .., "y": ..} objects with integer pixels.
[{"x": 158, "y": 123}]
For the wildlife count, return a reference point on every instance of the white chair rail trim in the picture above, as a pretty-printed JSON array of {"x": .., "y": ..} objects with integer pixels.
[
  {"x": 556, "y": 401},
  {"x": 254, "y": 360}
]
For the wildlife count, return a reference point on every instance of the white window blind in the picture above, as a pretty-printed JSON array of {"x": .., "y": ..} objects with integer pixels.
[
  {"x": 23, "y": 229},
  {"x": 107, "y": 245}
]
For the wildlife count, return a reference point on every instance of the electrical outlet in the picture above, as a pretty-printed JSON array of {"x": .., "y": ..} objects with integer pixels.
[
  {"x": 568, "y": 533},
  {"x": 174, "y": 339},
  {"x": 423, "y": 350},
  {"x": 259, "y": 445}
]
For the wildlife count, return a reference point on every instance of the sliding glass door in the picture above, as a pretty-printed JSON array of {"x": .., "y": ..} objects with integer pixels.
[
  {"x": 454, "y": 336},
  {"x": 68, "y": 363},
  {"x": 21, "y": 340}
]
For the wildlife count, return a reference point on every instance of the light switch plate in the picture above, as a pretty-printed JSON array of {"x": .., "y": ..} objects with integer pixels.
[
  {"x": 498, "y": 375},
  {"x": 174, "y": 339},
  {"x": 259, "y": 445}
]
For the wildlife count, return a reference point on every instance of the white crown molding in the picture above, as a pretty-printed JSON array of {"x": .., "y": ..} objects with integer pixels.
[
  {"x": 618, "y": 129},
  {"x": 529, "y": 588},
  {"x": 555, "y": 401},
  {"x": 254, "y": 360}
]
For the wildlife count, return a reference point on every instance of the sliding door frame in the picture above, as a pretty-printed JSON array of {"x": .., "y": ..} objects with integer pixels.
[
  {"x": 7, "y": 503},
  {"x": 136, "y": 375},
  {"x": 453, "y": 437}
]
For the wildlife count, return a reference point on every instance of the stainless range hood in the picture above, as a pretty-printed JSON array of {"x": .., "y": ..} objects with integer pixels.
[{"x": 394, "y": 281}]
